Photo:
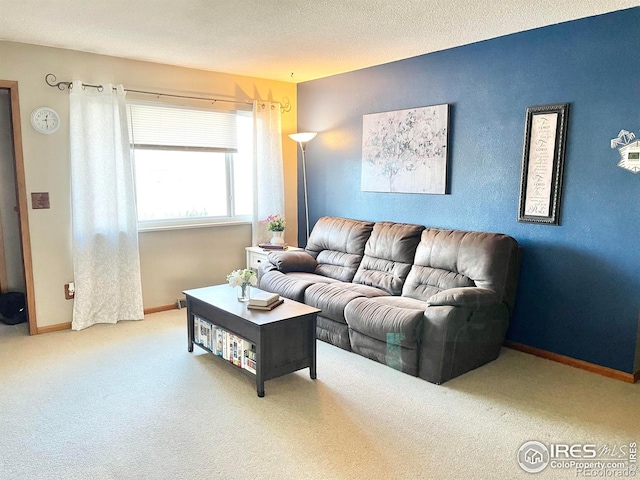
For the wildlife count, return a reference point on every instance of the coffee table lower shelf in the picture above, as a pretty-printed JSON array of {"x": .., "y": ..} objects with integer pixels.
[{"x": 285, "y": 337}]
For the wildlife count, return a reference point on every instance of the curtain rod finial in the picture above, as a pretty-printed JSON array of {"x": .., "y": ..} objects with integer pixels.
[{"x": 50, "y": 78}]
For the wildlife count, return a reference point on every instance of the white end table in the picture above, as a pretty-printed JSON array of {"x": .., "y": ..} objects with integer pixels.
[{"x": 256, "y": 255}]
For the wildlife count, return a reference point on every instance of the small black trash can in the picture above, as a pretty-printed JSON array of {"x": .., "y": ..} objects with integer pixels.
[{"x": 13, "y": 308}]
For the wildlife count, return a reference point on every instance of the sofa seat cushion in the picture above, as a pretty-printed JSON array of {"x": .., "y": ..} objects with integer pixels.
[
  {"x": 386, "y": 323},
  {"x": 402, "y": 302},
  {"x": 285, "y": 285},
  {"x": 364, "y": 290},
  {"x": 310, "y": 277},
  {"x": 331, "y": 298}
]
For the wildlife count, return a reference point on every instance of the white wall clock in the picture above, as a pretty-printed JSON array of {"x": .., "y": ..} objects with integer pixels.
[{"x": 45, "y": 120}]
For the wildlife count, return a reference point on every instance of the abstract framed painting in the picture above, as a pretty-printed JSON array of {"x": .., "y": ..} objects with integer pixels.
[{"x": 406, "y": 151}]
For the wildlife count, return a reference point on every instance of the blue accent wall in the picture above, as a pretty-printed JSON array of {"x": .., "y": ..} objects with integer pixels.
[{"x": 579, "y": 291}]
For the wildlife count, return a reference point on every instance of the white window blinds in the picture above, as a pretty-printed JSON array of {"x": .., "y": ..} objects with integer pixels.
[{"x": 172, "y": 127}]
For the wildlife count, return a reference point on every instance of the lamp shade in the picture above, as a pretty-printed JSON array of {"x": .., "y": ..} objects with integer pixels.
[{"x": 302, "y": 137}]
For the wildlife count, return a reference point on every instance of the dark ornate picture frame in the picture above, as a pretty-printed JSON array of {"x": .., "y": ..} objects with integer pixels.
[{"x": 545, "y": 137}]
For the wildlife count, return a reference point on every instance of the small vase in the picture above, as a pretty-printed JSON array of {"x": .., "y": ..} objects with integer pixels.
[
  {"x": 277, "y": 238},
  {"x": 244, "y": 293}
]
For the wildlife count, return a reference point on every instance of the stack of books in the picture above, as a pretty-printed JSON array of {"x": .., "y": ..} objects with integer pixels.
[
  {"x": 264, "y": 301},
  {"x": 273, "y": 246}
]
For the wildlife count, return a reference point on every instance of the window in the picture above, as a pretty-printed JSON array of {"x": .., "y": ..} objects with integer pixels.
[{"x": 192, "y": 167}]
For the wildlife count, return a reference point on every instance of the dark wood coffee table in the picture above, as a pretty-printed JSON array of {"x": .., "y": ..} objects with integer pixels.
[{"x": 285, "y": 337}]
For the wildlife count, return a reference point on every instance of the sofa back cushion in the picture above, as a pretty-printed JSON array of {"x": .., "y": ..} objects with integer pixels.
[
  {"x": 388, "y": 256},
  {"x": 454, "y": 258},
  {"x": 337, "y": 244}
]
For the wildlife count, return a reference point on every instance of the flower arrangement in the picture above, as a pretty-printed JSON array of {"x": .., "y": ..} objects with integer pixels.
[
  {"x": 242, "y": 278},
  {"x": 276, "y": 223}
]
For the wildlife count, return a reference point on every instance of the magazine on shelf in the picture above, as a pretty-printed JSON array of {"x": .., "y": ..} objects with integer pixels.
[
  {"x": 225, "y": 345},
  {"x": 229, "y": 346},
  {"x": 235, "y": 342},
  {"x": 196, "y": 329},
  {"x": 250, "y": 365},
  {"x": 249, "y": 358},
  {"x": 205, "y": 334},
  {"x": 219, "y": 335},
  {"x": 200, "y": 329},
  {"x": 241, "y": 347},
  {"x": 263, "y": 299}
]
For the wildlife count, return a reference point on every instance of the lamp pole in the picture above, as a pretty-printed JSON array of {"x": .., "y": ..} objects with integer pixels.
[
  {"x": 306, "y": 199},
  {"x": 302, "y": 139}
]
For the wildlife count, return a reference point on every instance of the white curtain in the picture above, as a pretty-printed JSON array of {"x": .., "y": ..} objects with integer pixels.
[
  {"x": 268, "y": 176},
  {"x": 106, "y": 262}
]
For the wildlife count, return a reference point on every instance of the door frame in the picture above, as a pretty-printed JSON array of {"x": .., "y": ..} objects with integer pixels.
[{"x": 23, "y": 206}]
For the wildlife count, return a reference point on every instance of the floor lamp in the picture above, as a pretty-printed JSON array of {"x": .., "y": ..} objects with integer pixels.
[{"x": 302, "y": 139}]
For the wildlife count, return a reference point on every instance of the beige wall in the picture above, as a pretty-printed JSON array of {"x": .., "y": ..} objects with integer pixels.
[{"x": 171, "y": 260}]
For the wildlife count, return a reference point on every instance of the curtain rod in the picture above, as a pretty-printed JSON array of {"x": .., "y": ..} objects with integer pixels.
[{"x": 50, "y": 78}]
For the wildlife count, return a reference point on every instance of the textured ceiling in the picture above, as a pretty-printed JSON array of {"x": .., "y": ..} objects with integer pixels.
[{"x": 288, "y": 40}]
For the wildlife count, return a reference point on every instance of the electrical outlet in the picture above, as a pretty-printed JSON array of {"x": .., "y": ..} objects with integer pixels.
[
  {"x": 69, "y": 291},
  {"x": 182, "y": 303}
]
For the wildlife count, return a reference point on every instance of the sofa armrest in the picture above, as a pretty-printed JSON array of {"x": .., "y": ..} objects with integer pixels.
[
  {"x": 464, "y": 297},
  {"x": 263, "y": 268},
  {"x": 293, "y": 261}
]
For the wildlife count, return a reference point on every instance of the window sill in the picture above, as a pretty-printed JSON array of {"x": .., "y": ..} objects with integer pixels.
[{"x": 161, "y": 228}]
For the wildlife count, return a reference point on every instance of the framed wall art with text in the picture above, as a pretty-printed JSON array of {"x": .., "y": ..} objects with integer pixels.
[{"x": 545, "y": 137}]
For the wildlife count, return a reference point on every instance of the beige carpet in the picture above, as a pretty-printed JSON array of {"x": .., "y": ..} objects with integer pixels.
[{"x": 128, "y": 401}]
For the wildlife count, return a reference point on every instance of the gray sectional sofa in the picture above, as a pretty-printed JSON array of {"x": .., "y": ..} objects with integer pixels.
[{"x": 430, "y": 302}]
